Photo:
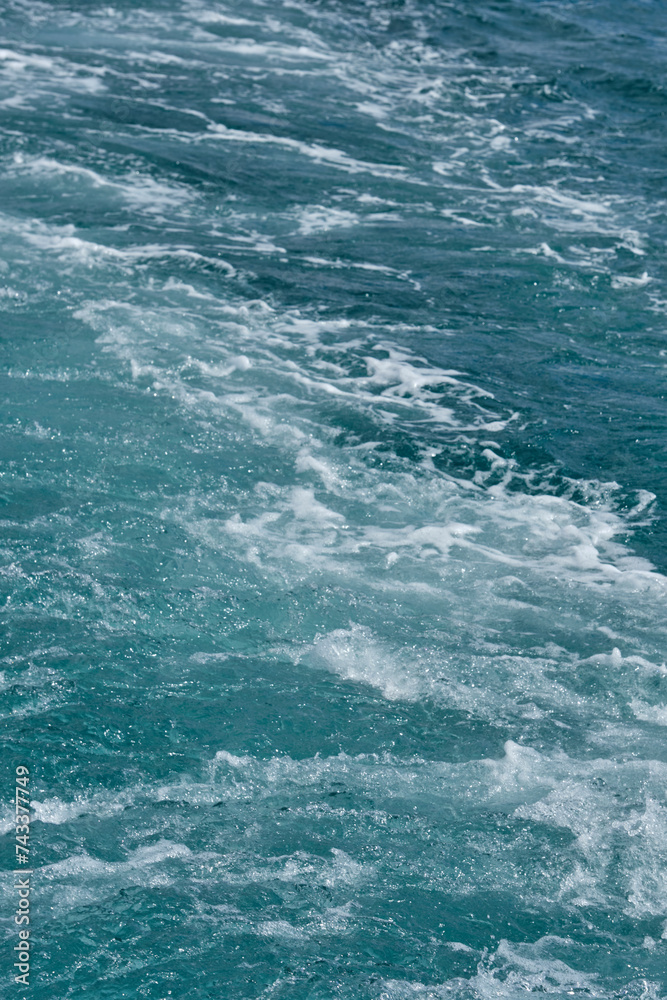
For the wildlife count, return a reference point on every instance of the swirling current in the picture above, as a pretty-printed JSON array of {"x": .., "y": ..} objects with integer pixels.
[{"x": 333, "y": 497}]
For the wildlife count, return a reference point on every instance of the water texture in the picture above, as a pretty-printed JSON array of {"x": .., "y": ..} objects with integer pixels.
[{"x": 333, "y": 497}]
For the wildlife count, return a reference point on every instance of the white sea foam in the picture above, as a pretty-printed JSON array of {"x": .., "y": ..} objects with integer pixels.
[
  {"x": 139, "y": 192},
  {"x": 622, "y": 838},
  {"x": 320, "y": 219},
  {"x": 34, "y": 75},
  {"x": 75, "y": 251},
  {"x": 656, "y": 714},
  {"x": 625, "y": 281},
  {"x": 510, "y": 971},
  {"x": 411, "y": 532},
  {"x": 315, "y": 151},
  {"x": 554, "y": 789}
]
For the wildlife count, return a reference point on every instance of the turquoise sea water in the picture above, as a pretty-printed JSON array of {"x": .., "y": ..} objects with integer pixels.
[{"x": 334, "y": 497}]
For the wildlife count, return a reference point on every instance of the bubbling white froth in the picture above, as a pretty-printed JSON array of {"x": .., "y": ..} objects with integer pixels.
[{"x": 501, "y": 545}]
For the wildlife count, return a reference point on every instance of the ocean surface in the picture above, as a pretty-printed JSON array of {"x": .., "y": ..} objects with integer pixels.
[{"x": 333, "y": 497}]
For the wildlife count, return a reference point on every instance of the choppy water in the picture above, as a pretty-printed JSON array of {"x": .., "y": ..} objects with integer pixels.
[{"x": 333, "y": 496}]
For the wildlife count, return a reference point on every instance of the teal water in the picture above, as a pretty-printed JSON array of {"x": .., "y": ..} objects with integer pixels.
[{"x": 333, "y": 497}]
